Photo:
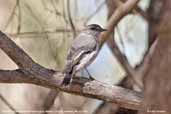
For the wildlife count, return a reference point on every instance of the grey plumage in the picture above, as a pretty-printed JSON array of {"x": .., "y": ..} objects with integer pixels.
[{"x": 82, "y": 52}]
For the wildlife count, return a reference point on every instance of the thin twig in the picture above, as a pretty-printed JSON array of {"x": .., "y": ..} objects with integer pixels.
[
  {"x": 39, "y": 33},
  {"x": 11, "y": 16},
  {"x": 8, "y": 104},
  {"x": 19, "y": 16}
]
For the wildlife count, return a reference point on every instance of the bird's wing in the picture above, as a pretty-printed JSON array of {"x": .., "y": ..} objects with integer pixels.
[
  {"x": 82, "y": 44},
  {"x": 86, "y": 60}
]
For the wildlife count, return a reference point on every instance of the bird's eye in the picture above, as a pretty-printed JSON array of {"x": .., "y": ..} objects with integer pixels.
[{"x": 93, "y": 28}]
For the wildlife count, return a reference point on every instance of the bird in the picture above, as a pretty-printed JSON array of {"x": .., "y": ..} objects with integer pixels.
[{"x": 82, "y": 52}]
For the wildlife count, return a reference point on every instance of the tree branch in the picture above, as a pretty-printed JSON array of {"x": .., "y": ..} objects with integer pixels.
[
  {"x": 94, "y": 89},
  {"x": 33, "y": 73},
  {"x": 120, "y": 12},
  {"x": 14, "y": 52}
]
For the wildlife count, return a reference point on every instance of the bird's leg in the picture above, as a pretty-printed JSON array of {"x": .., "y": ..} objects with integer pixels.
[{"x": 90, "y": 77}]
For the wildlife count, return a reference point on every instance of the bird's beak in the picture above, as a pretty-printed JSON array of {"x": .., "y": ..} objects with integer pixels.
[{"x": 104, "y": 30}]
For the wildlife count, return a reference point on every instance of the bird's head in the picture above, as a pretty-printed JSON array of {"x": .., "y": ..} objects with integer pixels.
[{"x": 95, "y": 28}]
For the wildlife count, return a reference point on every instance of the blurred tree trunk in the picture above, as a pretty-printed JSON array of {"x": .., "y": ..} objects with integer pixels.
[{"x": 157, "y": 81}]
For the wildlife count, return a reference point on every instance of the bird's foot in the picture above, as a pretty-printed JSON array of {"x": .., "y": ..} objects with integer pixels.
[{"x": 91, "y": 78}]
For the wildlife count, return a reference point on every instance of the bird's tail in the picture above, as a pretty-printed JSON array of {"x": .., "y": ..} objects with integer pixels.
[
  {"x": 67, "y": 78},
  {"x": 68, "y": 74}
]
